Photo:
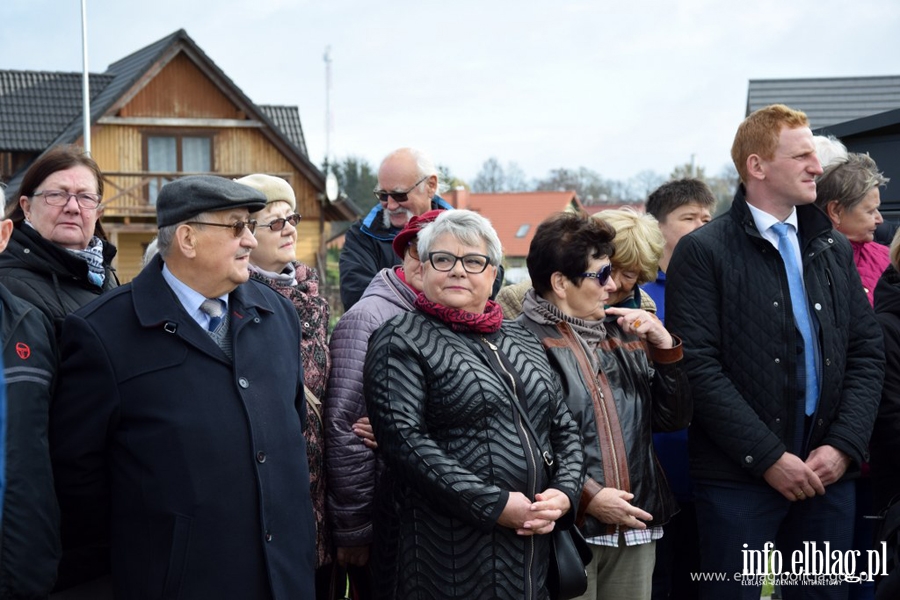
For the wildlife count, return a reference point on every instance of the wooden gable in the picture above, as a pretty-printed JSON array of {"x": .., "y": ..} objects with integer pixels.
[{"x": 182, "y": 91}]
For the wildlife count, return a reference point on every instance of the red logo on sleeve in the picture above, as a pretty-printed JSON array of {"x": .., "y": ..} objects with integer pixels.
[{"x": 23, "y": 350}]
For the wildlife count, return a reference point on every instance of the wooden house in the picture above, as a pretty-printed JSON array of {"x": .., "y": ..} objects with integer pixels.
[{"x": 160, "y": 113}]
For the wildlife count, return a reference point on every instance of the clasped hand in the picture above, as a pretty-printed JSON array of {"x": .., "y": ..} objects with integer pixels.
[{"x": 534, "y": 518}]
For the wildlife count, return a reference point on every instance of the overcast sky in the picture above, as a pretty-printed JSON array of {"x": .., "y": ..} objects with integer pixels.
[{"x": 615, "y": 87}]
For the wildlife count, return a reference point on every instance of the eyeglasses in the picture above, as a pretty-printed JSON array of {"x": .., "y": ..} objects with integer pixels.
[
  {"x": 61, "y": 198},
  {"x": 399, "y": 197},
  {"x": 278, "y": 224},
  {"x": 602, "y": 276},
  {"x": 472, "y": 263},
  {"x": 413, "y": 250},
  {"x": 237, "y": 227}
]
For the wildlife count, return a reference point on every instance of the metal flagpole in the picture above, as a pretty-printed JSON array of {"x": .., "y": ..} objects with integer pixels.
[{"x": 85, "y": 84}]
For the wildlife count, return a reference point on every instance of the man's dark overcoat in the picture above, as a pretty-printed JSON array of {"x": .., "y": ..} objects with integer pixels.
[{"x": 192, "y": 468}]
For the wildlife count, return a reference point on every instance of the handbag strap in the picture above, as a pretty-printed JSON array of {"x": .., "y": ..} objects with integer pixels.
[{"x": 516, "y": 383}]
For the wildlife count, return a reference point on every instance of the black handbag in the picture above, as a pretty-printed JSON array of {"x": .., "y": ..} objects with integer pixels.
[
  {"x": 569, "y": 552},
  {"x": 567, "y": 577}
]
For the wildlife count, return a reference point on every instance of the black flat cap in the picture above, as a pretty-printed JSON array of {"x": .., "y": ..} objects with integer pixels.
[{"x": 185, "y": 198}]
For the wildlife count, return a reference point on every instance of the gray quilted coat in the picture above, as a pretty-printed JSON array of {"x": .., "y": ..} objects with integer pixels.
[{"x": 350, "y": 466}]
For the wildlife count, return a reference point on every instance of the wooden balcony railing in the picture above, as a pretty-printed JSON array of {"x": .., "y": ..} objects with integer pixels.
[{"x": 133, "y": 194}]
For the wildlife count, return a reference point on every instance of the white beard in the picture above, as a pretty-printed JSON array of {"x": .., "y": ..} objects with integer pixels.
[{"x": 386, "y": 215}]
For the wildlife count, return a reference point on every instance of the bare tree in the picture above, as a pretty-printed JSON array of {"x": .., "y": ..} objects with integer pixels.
[
  {"x": 490, "y": 178},
  {"x": 515, "y": 178},
  {"x": 643, "y": 183}
]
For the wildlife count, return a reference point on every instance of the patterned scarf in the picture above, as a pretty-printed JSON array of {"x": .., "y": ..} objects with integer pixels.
[
  {"x": 93, "y": 256},
  {"x": 463, "y": 321}
]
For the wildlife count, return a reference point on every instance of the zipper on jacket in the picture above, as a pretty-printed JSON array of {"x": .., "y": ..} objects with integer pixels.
[
  {"x": 609, "y": 435},
  {"x": 529, "y": 593}
]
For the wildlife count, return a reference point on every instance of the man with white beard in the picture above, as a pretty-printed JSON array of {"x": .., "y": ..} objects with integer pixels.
[{"x": 407, "y": 187}]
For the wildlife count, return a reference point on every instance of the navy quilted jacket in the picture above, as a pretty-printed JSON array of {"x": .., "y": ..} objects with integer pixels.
[{"x": 727, "y": 298}]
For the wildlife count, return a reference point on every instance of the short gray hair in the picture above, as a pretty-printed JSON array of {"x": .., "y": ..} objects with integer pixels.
[
  {"x": 2, "y": 198},
  {"x": 848, "y": 181},
  {"x": 467, "y": 227},
  {"x": 165, "y": 237}
]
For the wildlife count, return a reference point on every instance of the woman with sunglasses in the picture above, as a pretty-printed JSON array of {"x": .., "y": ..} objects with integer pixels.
[
  {"x": 465, "y": 503},
  {"x": 58, "y": 257},
  {"x": 274, "y": 263},
  {"x": 622, "y": 381}
]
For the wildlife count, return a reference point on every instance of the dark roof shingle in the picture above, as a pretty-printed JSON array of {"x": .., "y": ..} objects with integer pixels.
[
  {"x": 35, "y": 106},
  {"x": 828, "y": 101},
  {"x": 287, "y": 119}
]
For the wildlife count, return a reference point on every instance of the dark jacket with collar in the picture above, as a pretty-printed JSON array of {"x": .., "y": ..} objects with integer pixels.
[
  {"x": 727, "y": 297},
  {"x": 617, "y": 412},
  {"x": 190, "y": 466},
  {"x": 886, "y": 436},
  {"x": 367, "y": 250},
  {"x": 29, "y": 533},
  {"x": 49, "y": 276}
]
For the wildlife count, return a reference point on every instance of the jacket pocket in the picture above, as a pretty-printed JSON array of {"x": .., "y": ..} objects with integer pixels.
[{"x": 181, "y": 536}]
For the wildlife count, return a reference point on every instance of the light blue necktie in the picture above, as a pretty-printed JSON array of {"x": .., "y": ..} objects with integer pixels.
[
  {"x": 801, "y": 315},
  {"x": 213, "y": 307}
]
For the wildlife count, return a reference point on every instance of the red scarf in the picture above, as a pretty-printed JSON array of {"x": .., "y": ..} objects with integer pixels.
[{"x": 463, "y": 321}]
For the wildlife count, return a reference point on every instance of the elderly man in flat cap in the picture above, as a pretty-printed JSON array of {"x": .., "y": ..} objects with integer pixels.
[{"x": 176, "y": 428}]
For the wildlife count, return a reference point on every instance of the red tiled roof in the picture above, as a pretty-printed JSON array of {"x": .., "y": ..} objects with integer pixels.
[
  {"x": 515, "y": 213},
  {"x": 593, "y": 209}
]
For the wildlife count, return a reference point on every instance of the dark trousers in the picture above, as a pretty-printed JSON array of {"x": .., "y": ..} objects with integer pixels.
[
  {"x": 734, "y": 518},
  {"x": 677, "y": 557}
]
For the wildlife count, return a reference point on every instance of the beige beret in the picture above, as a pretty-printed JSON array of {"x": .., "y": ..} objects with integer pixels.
[{"x": 275, "y": 188}]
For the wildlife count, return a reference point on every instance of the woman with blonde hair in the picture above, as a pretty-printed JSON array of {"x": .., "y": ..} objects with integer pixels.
[{"x": 639, "y": 245}]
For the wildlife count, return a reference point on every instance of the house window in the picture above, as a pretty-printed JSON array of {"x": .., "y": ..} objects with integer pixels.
[
  {"x": 175, "y": 154},
  {"x": 523, "y": 230}
]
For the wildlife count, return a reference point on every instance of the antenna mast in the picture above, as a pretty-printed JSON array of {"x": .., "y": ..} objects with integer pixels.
[{"x": 85, "y": 84}]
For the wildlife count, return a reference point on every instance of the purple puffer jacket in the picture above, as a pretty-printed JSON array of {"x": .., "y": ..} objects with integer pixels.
[{"x": 351, "y": 466}]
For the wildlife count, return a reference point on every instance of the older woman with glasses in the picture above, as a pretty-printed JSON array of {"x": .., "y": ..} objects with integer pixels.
[
  {"x": 621, "y": 380},
  {"x": 58, "y": 257},
  {"x": 465, "y": 502},
  {"x": 273, "y": 262}
]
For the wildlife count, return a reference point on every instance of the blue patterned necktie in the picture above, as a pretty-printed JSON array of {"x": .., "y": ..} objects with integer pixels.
[
  {"x": 801, "y": 315},
  {"x": 213, "y": 307}
]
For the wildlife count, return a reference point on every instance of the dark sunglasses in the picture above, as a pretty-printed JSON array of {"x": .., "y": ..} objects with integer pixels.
[
  {"x": 602, "y": 276},
  {"x": 237, "y": 227},
  {"x": 278, "y": 224},
  {"x": 399, "y": 197}
]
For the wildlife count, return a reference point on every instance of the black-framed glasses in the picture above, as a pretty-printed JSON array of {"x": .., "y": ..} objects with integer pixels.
[
  {"x": 472, "y": 263},
  {"x": 61, "y": 198},
  {"x": 278, "y": 224},
  {"x": 399, "y": 197},
  {"x": 237, "y": 227},
  {"x": 602, "y": 276}
]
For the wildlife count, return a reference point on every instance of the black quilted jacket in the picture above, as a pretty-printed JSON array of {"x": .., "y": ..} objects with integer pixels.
[
  {"x": 455, "y": 449},
  {"x": 727, "y": 298},
  {"x": 50, "y": 277}
]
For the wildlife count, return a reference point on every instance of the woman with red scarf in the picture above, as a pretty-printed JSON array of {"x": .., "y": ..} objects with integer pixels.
[{"x": 465, "y": 504}]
